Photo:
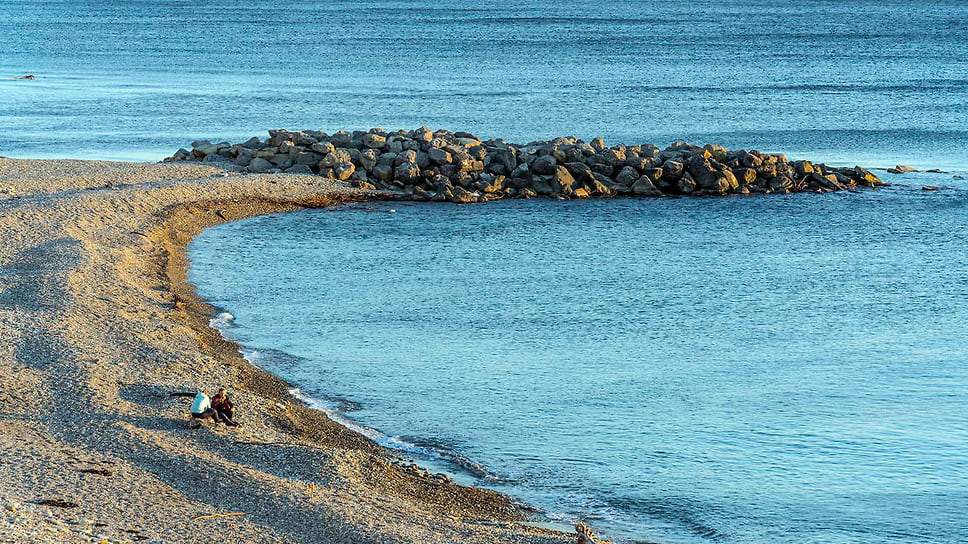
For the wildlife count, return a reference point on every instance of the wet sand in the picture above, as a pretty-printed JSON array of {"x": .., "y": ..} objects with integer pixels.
[{"x": 100, "y": 328}]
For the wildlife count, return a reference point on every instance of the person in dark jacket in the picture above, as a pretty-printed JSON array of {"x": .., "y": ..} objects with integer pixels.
[{"x": 223, "y": 406}]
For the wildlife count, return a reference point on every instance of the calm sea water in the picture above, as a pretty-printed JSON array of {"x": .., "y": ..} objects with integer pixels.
[
  {"x": 737, "y": 370},
  {"x": 872, "y": 81}
]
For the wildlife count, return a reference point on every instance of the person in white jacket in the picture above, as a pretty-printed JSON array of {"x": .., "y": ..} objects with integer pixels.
[{"x": 202, "y": 407}]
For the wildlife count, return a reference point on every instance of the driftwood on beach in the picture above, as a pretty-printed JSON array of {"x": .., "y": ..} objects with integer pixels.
[{"x": 460, "y": 167}]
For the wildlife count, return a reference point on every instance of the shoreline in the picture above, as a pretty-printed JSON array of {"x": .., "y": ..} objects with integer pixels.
[{"x": 104, "y": 327}]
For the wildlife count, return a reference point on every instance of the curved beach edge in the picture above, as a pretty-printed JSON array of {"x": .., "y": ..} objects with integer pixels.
[{"x": 104, "y": 335}]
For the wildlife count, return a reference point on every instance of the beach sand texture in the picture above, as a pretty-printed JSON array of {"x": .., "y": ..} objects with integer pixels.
[{"x": 99, "y": 327}]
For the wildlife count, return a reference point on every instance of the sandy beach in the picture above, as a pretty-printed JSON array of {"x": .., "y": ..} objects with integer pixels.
[{"x": 100, "y": 330}]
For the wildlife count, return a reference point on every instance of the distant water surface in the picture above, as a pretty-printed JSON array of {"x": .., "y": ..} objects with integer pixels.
[
  {"x": 720, "y": 370},
  {"x": 865, "y": 81}
]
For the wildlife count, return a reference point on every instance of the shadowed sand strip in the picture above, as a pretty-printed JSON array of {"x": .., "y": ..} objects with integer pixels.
[{"x": 99, "y": 327}]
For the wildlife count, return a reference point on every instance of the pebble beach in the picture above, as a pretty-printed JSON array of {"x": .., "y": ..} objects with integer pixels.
[{"x": 103, "y": 337}]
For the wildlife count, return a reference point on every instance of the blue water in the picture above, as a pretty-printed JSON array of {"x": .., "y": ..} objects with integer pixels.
[
  {"x": 739, "y": 370},
  {"x": 870, "y": 81}
]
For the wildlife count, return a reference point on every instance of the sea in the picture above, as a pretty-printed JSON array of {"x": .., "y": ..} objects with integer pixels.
[{"x": 741, "y": 370}]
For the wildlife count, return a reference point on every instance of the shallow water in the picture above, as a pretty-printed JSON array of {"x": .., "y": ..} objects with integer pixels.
[
  {"x": 765, "y": 369},
  {"x": 867, "y": 81}
]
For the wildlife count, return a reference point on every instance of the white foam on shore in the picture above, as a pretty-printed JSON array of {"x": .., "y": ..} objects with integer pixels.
[
  {"x": 331, "y": 409},
  {"x": 222, "y": 321}
]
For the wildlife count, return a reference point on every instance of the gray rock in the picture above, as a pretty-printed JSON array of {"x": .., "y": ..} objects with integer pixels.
[
  {"x": 580, "y": 171},
  {"x": 308, "y": 158},
  {"x": 613, "y": 157},
  {"x": 408, "y": 156},
  {"x": 323, "y": 148},
  {"x": 469, "y": 165},
  {"x": 781, "y": 184},
  {"x": 627, "y": 176},
  {"x": 341, "y": 139},
  {"x": 336, "y": 157},
  {"x": 522, "y": 171},
  {"x": 717, "y": 152},
  {"x": 564, "y": 180},
  {"x": 282, "y": 160},
  {"x": 343, "y": 171},
  {"x": 406, "y": 173},
  {"x": 655, "y": 174},
  {"x": 383, "y": 172},
  {"x": 299, "y": 169},
  {"x": 545, "y": 165},
  {"x": 374, "y": 141},
  {"x": 243, "y": 158},
  {"x": 804, "y": 168},
  {"x": 439, "y": 156},
  {"x": 644, "y": 187},
  {"x": 462, "y": 196},
  {"x": 423, "y": 134},
  {"x": 686, "y": 184},
  {"x": 368, "y": 159},
  {"x": 259, "y": 166}
]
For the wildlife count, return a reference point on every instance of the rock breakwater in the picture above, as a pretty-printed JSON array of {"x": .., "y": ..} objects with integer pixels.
[{"x": 460, "y": 167}]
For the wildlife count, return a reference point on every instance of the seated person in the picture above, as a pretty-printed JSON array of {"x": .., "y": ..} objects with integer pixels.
[
  {"x": 202, "y": 407},
  {"x": 223, "y": 407}
]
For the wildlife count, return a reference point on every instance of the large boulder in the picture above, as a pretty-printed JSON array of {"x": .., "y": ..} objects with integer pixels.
[
  {"x": 308, "y": 158},
  {"x": 462, "y": 196},
  {"x": 439, "y": 156},
  {"x": 522, "y": 171},
  {"x": 564, "y": 180},
  {"x": 468, "y": 164},
  {"x": 627, "y": 176},
  {"x": 672, "y": 170},
  {"x": 406, "y": 173},
  {"x": 644, "y": 187},
  {"x": 408, "y": 156},
  {"x": 323, "y": 148},
  {"x": 259, "y": 166},
  {"x": 710, "y": 176},
  {"x": 748, "y": 159},
  {"x": 717, "y": 152},
  {"x": 502, "y": 161},
  {"x": 374, "y": 141},
  {"x": 383, "y": 172},
  {"x": 544, "y": 165},
  {"x": 614, "y": 157},
  {"x": 368, "y": 159},
  {"x": 342, "y": 139},
  {"x": 781, "y": 184},
  {"x": 542, "y": 184},
  {"x": 338, "y": 156},
  {"x": 865, "y": 177},
  {"x": 343, "y": 171},
  {"x": 745, "y": 176},
  {"x": 580, "y": 171},
  {"x": 804, "y": 168},
  {"x": 686, "y": 184},
  {"x": 655, "y": 174}
]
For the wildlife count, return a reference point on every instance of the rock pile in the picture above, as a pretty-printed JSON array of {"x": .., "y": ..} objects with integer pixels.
[{"x": 459, "y": 167}]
